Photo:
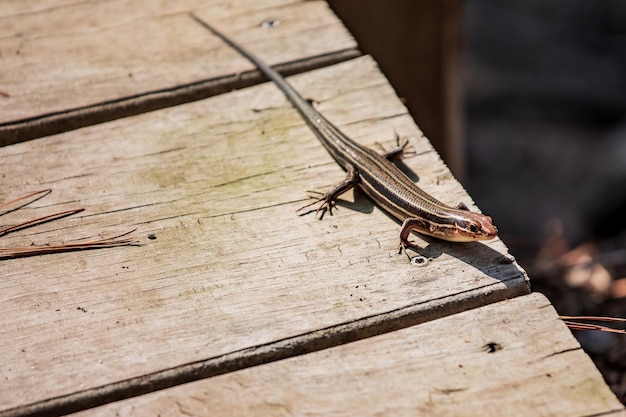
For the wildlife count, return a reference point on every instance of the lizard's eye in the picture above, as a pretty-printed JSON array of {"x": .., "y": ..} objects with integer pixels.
[{"x": 473, "y": 228}]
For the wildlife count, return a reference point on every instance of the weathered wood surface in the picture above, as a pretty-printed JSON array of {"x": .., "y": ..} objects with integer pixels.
[
  {"x": 234, "y": 278},
  {"x": 218, "y": 181},
  {"x": 492, "y": 361},
  {"x": 68, "y": 65}
]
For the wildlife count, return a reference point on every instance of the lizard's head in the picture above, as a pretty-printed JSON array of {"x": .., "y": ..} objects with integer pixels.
[
  {"x": 473, "y": 226},
  {"x": 466, "y": 227},
  {"x": 463, "y": 226}
]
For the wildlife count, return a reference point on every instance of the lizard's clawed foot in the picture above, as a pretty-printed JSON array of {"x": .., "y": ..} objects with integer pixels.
[
  {"x": 327, "y": 204},
  {"x": 418, "y": 260}
]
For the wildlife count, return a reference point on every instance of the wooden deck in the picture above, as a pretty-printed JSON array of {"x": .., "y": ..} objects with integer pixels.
[{"x": 228, "y": 289}]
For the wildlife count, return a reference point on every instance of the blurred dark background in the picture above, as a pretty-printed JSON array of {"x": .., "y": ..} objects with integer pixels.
[
  {"x": 545, "y": 114},
  {"x": 526, "y": 102}
]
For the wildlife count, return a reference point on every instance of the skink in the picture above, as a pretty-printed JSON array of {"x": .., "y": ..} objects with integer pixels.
[{"x": 381, "y": 180}]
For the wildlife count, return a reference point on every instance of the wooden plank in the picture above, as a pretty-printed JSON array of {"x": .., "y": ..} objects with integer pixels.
[
  {"x": 508, "y": 359},
  {"x": 218, "y": 182},
  {"x": 66, "y": 66}
]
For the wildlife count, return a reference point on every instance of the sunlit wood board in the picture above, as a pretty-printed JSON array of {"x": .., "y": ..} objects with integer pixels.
[
  {"x": 218, "y": 183},
  {"x": 513, "y": 358},
  {"x": 72, "y": 64}
]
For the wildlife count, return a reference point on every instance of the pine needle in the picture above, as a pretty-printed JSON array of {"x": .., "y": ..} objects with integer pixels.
[
  {"x": 574, "y": 323},
  {"x": 108, "y": 242},
  {"x": 33, "y": 250},
  {"x": 25, "y": 196},
  {"x": 39, "y": 220}
]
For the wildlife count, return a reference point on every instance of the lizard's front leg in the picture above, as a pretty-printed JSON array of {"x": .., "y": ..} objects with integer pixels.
[{"x": 328, "y": 200}]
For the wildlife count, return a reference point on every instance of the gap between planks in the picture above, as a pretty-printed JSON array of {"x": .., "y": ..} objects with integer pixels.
[
  {"x": 514, "y": 357},
  {"x": 49, "y": 124},
  {"x": 258, "y": 355}
]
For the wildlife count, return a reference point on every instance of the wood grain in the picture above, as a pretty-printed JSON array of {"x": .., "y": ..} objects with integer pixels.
[
  {"x": 230, "y": 293},
  {"x": 218, "y": 182},
  {"x": 70, "y": 65},
  {"x": 491, "y": 361}
]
